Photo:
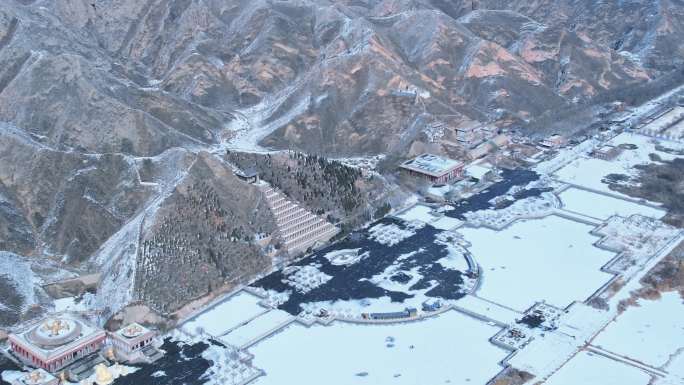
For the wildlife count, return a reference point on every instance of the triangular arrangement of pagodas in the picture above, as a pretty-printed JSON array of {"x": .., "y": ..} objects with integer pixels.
[{"x": 298, "y": 228}]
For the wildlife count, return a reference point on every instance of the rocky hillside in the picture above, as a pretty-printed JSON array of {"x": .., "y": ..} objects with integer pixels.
[
  {"x": 115, "y": 114},
  {"x": 647, "y": 31},
  {"x": 202, "y": 238},
  {"x": 348, "y": 77}
]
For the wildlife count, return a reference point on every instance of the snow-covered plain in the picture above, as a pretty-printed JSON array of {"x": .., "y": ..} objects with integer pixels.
[
  {"x": 676, "y": 367},
  {"x": 589, "y": 172},
  {"x": 602, "y": 206},
  {"x": 16, "y": 271},
  {"x": 483, "y": 307},
  {"x": 650, "y": 332},
  {"x": 70, "y": 304},
  {"x": 225, "y": 315},
  {"x": 418, "y": 213},
  {"x": 592, "y": 369},
  {"x": 427, "y": 352},
  {"x": 550, "y": 259},
  {"x": 446, "y": 223}
]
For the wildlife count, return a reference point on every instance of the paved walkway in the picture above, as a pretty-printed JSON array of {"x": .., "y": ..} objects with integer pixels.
[{"x": 626, "y": 360}]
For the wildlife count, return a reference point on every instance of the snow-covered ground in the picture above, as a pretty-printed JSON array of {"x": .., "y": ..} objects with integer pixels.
[
  {"x": 602, "y": 207},
  {"x": 251, "y": 125},
  {"x": 71, "y": 304},
  {"x": 16, "y": 270},
  {"x": 418, "y": 213},
  {"x": 676, "y": 367},
  {"x": 255, "y": 328},
  {"x": 225, "y": 315},
  {"x": 565, "y": 156},
  {"x": 650, "y": 333},
  {"x": 550, "y": 259},
  {"x": 548, "y": 351},
  {"x": 454, "y": 261},
  {"x": 589, "y": 172},
  {"x": 483, "y": 307},
  {"x": 451, "y": 348},
  {"x": 592, "y": 369},
  {"x": 116, "y": 259},
  {"x": 638, "y": 237},
  {"x": 433, "y": 217},
  {"x": 446, "y": 223}
]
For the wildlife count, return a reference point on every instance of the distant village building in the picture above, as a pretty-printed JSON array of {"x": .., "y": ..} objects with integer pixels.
[
  {"x": 434, "y": 168},
  {"x": 56, "y": 342},
  {"x": 606, "y": 152},
  {"x": 553, "y": 141},
  {"x": 495, "y": 143},
  {"x": 472, "y": 136},
  {"x": 469, "y": 137}
]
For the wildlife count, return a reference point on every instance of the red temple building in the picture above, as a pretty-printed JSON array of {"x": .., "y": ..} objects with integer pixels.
[{"x": 56, "y": 342}]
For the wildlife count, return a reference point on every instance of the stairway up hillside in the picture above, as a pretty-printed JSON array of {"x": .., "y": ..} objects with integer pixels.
[{"x": 298, "y": 228}]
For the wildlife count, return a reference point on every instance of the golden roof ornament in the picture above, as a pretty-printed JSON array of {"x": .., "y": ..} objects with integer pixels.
[
  {"x": 102, "y": 375},
  {"x": 55, "y": 326},
  {"x": 132, "y": 331},
  {"x": 110, "y": 354},
  {"x": 35, "y": 376}
]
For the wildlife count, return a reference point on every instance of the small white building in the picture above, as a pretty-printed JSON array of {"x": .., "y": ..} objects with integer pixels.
[
  {"x": 135, "y": 343},
  {"x": 607, "y": 152},
  {"x": 479, "y": 172},
  {"x": 554, "y": 141}
]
